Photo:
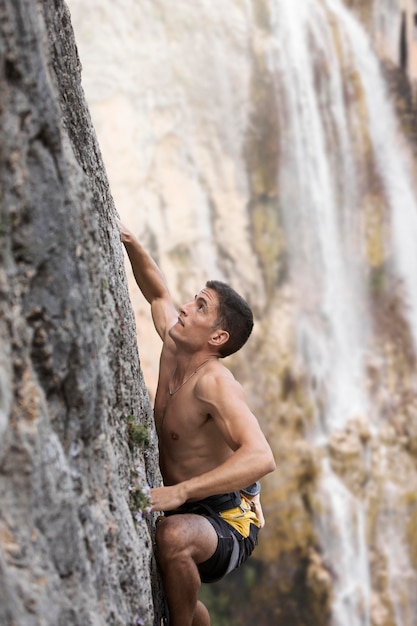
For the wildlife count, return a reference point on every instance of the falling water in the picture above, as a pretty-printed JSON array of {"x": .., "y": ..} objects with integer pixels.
[
  {"x": 319, "y": 184},
  {"x": 341, "y": 526},
  {"x": 403, "y": 577},
  {"x": 318, "y": 213}
]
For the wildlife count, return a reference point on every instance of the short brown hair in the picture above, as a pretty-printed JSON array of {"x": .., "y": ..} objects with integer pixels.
[{"x": 234, "y": 315}]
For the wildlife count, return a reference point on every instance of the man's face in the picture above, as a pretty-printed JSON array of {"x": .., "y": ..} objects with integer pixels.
[{"x": 196, "y": 319}]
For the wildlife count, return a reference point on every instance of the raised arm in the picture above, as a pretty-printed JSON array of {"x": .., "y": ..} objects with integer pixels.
[{"x": 150, "y": 281}]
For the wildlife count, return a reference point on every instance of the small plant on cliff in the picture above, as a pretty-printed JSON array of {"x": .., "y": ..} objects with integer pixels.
[
  {"x": 139, "y": 499},
  {"x": 138, "y": 434}
]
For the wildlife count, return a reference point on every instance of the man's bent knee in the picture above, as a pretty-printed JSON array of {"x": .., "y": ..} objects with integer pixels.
[
  {"x": 190, "y": 535},
  {"x": 171, "y": 535}
]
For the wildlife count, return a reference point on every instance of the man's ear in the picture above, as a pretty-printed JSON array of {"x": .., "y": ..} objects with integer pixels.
[{"x": 219, "y": 337}]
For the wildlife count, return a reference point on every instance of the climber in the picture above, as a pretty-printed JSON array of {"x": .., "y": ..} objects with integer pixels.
[{"x": 210, "y": 444}]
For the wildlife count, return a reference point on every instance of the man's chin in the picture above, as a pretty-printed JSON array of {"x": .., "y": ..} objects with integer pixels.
[{"x": 173, "y": 331}]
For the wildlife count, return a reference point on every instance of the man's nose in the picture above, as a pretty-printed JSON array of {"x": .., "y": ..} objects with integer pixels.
[{"x": 185, "y": 308}]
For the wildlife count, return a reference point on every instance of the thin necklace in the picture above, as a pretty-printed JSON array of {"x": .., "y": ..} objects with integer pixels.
[{"x": 171, "y": 393}]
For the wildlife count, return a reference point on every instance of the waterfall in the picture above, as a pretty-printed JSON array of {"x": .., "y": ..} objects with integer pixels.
[
  {"x": 318, "y": 183},
  {"x": 341, "y": 527},
  {"x": 318, "y": 45},
  {"x": 402, "y": 575}
]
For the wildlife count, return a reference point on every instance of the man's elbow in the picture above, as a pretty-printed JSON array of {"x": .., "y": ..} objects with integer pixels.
[
  {"x": 271, "y": 465},
  {"x": 268, "y": 462}
]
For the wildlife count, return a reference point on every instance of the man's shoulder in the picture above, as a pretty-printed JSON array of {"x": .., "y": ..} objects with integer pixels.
[{"x": 216, "y": 380}]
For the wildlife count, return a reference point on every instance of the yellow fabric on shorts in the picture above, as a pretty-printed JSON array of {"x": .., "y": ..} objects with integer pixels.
[{"x": 241, "y": 517}]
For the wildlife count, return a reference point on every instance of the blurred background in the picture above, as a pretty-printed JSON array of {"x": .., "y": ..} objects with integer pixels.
[{"x": 272, "y": 144}]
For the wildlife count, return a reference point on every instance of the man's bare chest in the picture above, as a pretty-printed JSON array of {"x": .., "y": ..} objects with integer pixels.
[{"x": 177, "y": 420}]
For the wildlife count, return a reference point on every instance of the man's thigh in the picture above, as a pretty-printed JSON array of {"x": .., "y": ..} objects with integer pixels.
[{"x": 187, "y": 532}]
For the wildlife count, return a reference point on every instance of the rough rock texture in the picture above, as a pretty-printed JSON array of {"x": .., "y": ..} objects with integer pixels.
[{"x": 71, "y": 388}]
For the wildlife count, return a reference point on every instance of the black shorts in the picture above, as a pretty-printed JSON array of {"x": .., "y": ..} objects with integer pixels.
[{"x": 232, "y": 550}]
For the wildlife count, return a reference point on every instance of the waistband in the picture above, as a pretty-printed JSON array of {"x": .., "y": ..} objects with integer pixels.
[{"x": 218, "y": 503}]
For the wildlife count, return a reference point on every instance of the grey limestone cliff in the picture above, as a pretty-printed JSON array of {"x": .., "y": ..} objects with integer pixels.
[{"x": 71, "y": 388}]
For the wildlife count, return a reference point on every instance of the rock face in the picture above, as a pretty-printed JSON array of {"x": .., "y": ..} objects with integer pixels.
[{"x": 71, "y": 389}]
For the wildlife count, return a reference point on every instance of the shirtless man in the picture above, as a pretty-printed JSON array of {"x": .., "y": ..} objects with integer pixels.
[{"x": 210, "y": 443}]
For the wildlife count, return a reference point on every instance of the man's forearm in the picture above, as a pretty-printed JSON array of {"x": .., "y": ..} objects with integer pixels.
[
  {"x": 239, "y": 470},
  {"x": 147, "y": 274},
  {"x": 234, "y": 474}
]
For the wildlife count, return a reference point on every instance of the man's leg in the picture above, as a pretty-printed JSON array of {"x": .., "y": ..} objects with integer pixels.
[
  {"x": 201, "y": 615},
  {"x": 183, "y": 541}
]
